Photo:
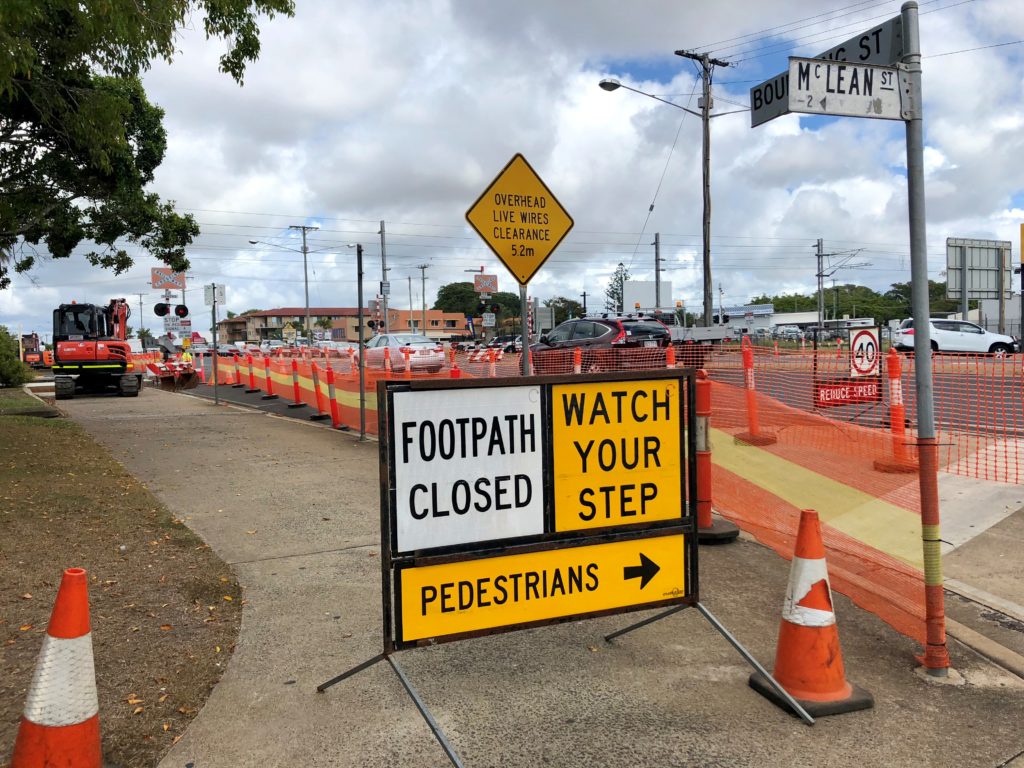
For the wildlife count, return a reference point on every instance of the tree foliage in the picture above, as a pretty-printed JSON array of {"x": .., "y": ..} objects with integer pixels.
[
  {"x": 79, "y": 141},
  {"x": 13, "y": 372},
  {"x": 613, "y": 293},
  {"x": 564, "y": 308}
]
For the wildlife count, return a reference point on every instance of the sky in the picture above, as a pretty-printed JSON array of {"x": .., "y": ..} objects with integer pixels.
[{"x": 403, "y": 111}]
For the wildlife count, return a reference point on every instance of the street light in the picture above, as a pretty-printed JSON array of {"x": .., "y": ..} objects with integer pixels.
[
  {"x": 610, "y": 84},
  {"x": 359, "y": 322},
  {"x": 305, "y": 267}
]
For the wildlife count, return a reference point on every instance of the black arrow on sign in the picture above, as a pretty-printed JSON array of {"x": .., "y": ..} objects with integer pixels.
[{"x": 645, "y": 571}]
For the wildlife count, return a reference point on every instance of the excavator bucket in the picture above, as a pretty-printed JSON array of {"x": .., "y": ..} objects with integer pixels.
[{"x": 174, "y": 376}]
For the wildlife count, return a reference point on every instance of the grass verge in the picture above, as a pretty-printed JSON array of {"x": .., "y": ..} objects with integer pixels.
[{"x": 165, "y": 610}]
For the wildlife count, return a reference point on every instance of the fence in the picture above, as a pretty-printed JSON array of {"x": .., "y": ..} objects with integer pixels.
[{"x": 846, "y": 457}]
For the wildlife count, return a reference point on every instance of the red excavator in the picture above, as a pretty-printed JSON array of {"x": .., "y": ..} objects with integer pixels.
[
  {"x": 90, "y": 350},
  {"x": 91, "y": 353}
]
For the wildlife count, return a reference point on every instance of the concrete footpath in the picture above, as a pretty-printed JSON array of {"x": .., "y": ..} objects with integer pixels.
[{"x": 294, "y": 509}]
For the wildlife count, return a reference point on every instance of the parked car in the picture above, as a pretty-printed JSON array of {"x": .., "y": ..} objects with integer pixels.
[
  {"x": 227, "y": 350},
  {"x": 270, "y": 345},
  {"x": 198, "y": 350},
  {"x": 955, "y": 336},
  {"x": 507, "y": 343},
  {"x": 606, "y": 332},
  {"x": 424, "y": 354},
  {"x": 467, "y": 345}
]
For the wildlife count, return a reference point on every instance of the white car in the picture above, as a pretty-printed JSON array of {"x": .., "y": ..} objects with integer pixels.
[
  {"x": 955, "y": 336},
  {"x": 424, "y": 354}
]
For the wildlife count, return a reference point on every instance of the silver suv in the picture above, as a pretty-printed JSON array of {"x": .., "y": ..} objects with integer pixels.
[{"x": 956, "y": 336}]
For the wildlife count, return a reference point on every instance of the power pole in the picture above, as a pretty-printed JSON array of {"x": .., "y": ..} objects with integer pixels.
[
  {"x": 706, "y": 64},
  {"x": 821, "y": 287},
  {"x": 142, "y": 322},
  {"x": 423, "y": 289},
  {"x": 385, "y": 288},
  {"x": 410, "y": 304},
  {"x": 721, "y": 312},
  {"x": 584, "y": 297},
  {"x": 305, "y": 272},
  {"x": 657, "y": 271}
]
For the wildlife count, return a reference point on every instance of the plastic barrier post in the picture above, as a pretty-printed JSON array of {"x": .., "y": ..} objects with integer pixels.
[
  {"x": 332, "y": 394},
  {"x": 296, "y": 393},
  {"x": 839, "y": 347},
  {"x": 238, "y": 384},
  {"x": 577, "y": 360},
  {"x": 776, "y": 344},
  {"x": 900, "y": 461},
  {"x": 387, "y": 360},
  {"x": 753, "y": 436},
  {"x": 321, "y": 412},
  {"x": 252, "y": 376},
  {"x": 270, "y": 382},
  {"x": 406, "y": 353},
  {"x": 710, "y": 530},
  {"x": 492, "y": 370},
  {"x": 670, "y": 356},
  {"x": 353, "y": 366}
]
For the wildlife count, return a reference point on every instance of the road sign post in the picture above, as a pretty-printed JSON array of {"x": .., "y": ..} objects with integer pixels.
[{"x": 522, "y": 222}]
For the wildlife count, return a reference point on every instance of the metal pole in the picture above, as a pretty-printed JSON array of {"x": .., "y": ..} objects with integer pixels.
[
  {"x": 936, "y": 657},
  {"x": 821, "y": 286},
  {"x": 657, "y": 271},
  {"x": 524, "y": 330},
  {"x": 213, "y": 321},
  {"x": 362, "y": 361},
  {"x": 142, "y": 323},
  {"x": 584, "y": 294},
  {"x": 305, "y": 273},
  {"x": 423, "y": 294},
  {"x": 705, "y": 113},
  {"x": 384, "y": 277},
  {"x": 963, "y": 284},
  {"x": 410, "y": 304},
  {"x": 1002, "y": 293}
]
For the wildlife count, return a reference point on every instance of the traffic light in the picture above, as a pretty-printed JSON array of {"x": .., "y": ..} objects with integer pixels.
[
  {"x": 180, "y": 310},
  {"x": 495, "y": 308},
  {"x": 161, "y": 309},
  {"x": 371, "y": 324}
]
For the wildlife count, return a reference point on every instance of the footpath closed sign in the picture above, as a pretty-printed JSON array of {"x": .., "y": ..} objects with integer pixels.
[{"x": 554, "y": 498}]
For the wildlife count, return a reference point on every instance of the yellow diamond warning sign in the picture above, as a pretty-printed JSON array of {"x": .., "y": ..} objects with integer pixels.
[
  {"x": 522, "y": 589},
  {"x": 520, "y": 219}
]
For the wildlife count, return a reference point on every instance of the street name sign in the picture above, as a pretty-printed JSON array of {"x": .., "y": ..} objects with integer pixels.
[
  {"x": 551, "y": 499},
  {"x": 820, "y": 87},
  {"x": 881, "y": 45},
  {"x": 520, "y": 219},
  {"x": 167, "y": 278}
]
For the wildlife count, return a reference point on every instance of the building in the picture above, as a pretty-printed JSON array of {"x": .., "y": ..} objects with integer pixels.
[{"x": 341, "y": 323}]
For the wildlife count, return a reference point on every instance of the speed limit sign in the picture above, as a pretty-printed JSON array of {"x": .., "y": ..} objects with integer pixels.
[{"x": 865, "y": 354}]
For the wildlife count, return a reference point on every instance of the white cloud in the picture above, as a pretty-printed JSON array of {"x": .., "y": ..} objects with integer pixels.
[{"x": 403, "y": 111}]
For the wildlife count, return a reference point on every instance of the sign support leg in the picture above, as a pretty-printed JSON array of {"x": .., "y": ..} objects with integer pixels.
[
  {"x": 793, "y": 703},
  {"x": 423, "y": 710},
  {"x": 524, "y": 329}
]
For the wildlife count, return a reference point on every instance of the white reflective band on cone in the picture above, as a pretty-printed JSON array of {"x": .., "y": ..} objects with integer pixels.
[
  {"x": 803, "y": 575},
  {"x": 63, "y": 690}
]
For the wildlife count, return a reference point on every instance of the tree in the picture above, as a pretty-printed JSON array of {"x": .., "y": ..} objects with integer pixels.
[
  {"x": 146, "y": 337},
  {"x": 613, "y": 293},
  {"x": 13, "y": 372},
  {"x": 79, "y": 141},
  {"x": 457, "y": 297},
  {"x": 564, "y": 308},
  {"x": 231, "y": 314}
]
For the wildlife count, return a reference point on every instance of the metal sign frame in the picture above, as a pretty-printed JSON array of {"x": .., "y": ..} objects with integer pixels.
[{"x": 394, "y": 563}]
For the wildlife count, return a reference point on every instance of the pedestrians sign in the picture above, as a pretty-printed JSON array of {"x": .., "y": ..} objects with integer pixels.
[
  {"x": 836, "y": 88},
  {"x": 452, "y": 599},
  {"x": 167, "y": 278},
  {"x": 617, "y": 457},
  {"x": 213, "y": 292},
  {"x": 881, "y": 45},
  {"x": 520, "y": 219},
  {"x": 865, "y": 354}
]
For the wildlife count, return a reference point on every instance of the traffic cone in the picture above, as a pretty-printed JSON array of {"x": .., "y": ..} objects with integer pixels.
[
  {"x": 808, "y": 659},
  {"x": 61, "y": 722}
]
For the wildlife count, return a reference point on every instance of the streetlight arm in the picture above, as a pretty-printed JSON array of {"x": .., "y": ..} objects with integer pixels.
[
  {"x": 611, "y": 85},
  {"x": 275, "y": 245}
]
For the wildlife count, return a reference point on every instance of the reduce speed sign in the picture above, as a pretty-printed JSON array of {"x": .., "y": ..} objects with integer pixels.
[{"x": 865, "y": 353}]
